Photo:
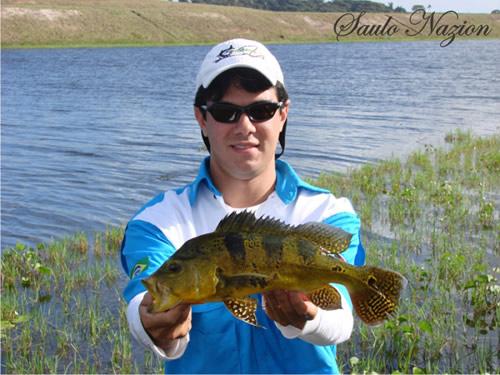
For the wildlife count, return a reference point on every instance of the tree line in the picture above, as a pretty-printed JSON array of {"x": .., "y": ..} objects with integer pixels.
[{"x": 307, "y": 5}]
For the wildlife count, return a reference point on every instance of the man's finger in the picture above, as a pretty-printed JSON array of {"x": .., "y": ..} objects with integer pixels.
[
  {"x": 172, "y": 316},
  {"x": 297, "y": 303},
  {"x": 284, "y": 302},
  {"x": 147, "y": 300},
  {"x": 180, "y": 312},
  {"x": 272, "y": 309}
]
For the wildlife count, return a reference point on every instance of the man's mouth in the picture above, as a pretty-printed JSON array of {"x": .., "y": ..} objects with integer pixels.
[{"x": 244, "y": 146}]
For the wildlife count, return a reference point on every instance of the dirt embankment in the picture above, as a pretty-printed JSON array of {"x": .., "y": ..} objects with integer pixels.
[{"x": 159, "y": 22}]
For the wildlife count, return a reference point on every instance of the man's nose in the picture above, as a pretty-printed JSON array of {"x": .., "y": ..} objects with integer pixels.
[{"x": 244, "y": 125}]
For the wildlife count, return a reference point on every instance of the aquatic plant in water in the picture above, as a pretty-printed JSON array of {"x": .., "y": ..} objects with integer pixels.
[{"x": 434, "y": 218}]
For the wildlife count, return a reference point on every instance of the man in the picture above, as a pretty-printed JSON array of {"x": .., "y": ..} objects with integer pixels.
[{"x": 241, "y": 106}]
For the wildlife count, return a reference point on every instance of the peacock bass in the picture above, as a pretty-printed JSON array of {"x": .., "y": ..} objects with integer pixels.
[{"x": 246, "y": 255}]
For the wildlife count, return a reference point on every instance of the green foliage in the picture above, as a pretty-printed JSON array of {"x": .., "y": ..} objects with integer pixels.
[
  {"x": 306, "y": 5},
  {"x": 436, "y": 214},
  {"x": 62, "y": 311},
  {"x": 486, "y": 213},
  {"x": 433, "y": 218},
  {"x": 482, "y": 298}
]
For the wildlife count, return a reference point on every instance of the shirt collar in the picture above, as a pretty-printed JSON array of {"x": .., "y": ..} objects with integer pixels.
[
  {"x": 203, "y": 177},
  {"x": 287, "y": 187},
  {"x": 288, "y": 183}
]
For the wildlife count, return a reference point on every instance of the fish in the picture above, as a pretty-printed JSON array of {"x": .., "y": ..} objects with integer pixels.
[{"x": 246, "y": 255}]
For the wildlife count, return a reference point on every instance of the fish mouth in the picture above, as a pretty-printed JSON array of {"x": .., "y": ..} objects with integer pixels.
[
  {"x": 163, "y": 298},
  {"x": 166, "y": 303},
  {"x": 150, "y": 285}
]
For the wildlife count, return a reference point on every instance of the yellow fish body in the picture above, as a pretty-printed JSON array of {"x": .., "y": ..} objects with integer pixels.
[{"x": 246, "y": 255}]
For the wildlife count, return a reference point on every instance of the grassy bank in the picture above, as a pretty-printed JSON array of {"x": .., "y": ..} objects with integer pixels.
[
  {"x": 438, "y": 215},
  {"x": 60, "y": 23},
  {"x": 434, "y": 218}
]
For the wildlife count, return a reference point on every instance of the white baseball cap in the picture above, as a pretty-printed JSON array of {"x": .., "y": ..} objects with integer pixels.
[{"x": 239, "y": 53}]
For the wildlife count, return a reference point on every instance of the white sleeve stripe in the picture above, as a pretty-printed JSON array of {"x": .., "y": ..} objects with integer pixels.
[
  {"x": 329, "y": 327},
  {"x": 141, "y": 336}
]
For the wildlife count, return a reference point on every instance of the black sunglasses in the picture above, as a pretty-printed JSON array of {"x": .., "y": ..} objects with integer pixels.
[{"x": 230, "y": 113}]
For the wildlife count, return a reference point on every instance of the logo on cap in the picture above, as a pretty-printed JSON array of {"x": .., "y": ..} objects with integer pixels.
[{"x": 240, "y": 51}]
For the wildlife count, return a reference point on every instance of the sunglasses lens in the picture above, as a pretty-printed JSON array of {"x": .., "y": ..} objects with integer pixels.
[
  {"x": 229, "y": 113},
  {"x": 262, "y": 111},
  {"x": 224, "y": 112}
]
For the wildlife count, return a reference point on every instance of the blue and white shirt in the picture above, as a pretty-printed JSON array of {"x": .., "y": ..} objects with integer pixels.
[{"x": 217, "y": 342}]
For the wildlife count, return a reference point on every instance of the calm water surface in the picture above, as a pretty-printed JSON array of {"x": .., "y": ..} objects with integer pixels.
[{"x": 90, "y": 135}]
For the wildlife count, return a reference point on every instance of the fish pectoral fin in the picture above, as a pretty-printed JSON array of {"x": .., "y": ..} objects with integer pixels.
[
  {"x": 243, "y": 309},
  {"x": 327, "y": 298}
]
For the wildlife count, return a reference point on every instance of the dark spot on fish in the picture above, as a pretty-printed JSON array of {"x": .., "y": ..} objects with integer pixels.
[
  {"x": 236, "y": 247},
  {"x": 337, "y": 269},
  {"x": 273, "y": 247},
  {"x": 306, "y": 250},
  {"x": 220, "y": 277},
  {"x": 258, "y": 281},
  {"x": 241, "y": 281},
  {"x": 219, "y": 272},
  {"x": 193, "y": 248},
  {"x": 372, "y": 281}
]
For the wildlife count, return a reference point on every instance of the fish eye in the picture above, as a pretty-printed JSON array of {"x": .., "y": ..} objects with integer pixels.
[{"x": 174, "y": 267}]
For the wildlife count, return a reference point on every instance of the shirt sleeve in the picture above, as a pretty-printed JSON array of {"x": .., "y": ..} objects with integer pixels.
[
  {"x": 329, "y": 327},
  {"x": 144, "y": 249},
  {"x": 140, "y": 335}
]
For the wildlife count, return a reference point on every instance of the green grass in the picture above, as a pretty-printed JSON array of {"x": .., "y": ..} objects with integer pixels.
[
  {"x": 434, "y": 218},
  {"x": 438, "y": 213},
  {"x": 62, "y": 309}
]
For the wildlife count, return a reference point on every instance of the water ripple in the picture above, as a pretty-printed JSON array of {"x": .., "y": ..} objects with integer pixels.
[{"x": 90, "y": 135}]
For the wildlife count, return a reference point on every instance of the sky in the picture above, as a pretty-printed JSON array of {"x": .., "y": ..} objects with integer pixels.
[{"x": 460, "y": 6}]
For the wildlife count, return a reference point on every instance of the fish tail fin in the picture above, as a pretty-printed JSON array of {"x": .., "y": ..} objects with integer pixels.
[{"x": 376, "y": 297}]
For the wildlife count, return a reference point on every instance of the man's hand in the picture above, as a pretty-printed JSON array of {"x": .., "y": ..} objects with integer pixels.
[
  {"x": 167, "y": 326},
  {"x": 289, "y": 308}
]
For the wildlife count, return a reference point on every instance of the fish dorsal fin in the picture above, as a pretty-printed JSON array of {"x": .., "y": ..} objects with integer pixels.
[
  {"x": 332, "y": 239},
  {"x": 246, "y": 221}
]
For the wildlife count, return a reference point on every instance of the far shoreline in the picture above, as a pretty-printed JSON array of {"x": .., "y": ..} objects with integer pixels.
[
  {"x": 270, "y": 42},
  {"x": 134, "y": 23}
]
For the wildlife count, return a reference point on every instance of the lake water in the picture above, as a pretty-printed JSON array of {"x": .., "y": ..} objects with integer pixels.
[{"x": 90, "y": 135}]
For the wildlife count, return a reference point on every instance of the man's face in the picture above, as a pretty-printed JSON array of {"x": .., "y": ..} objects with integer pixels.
[{"x": 242, "y": 150}]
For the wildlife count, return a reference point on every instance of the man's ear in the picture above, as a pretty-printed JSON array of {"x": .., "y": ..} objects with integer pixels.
[
  {"x": 284, "y": 111},
  {"x": 200, "y": 118}
]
